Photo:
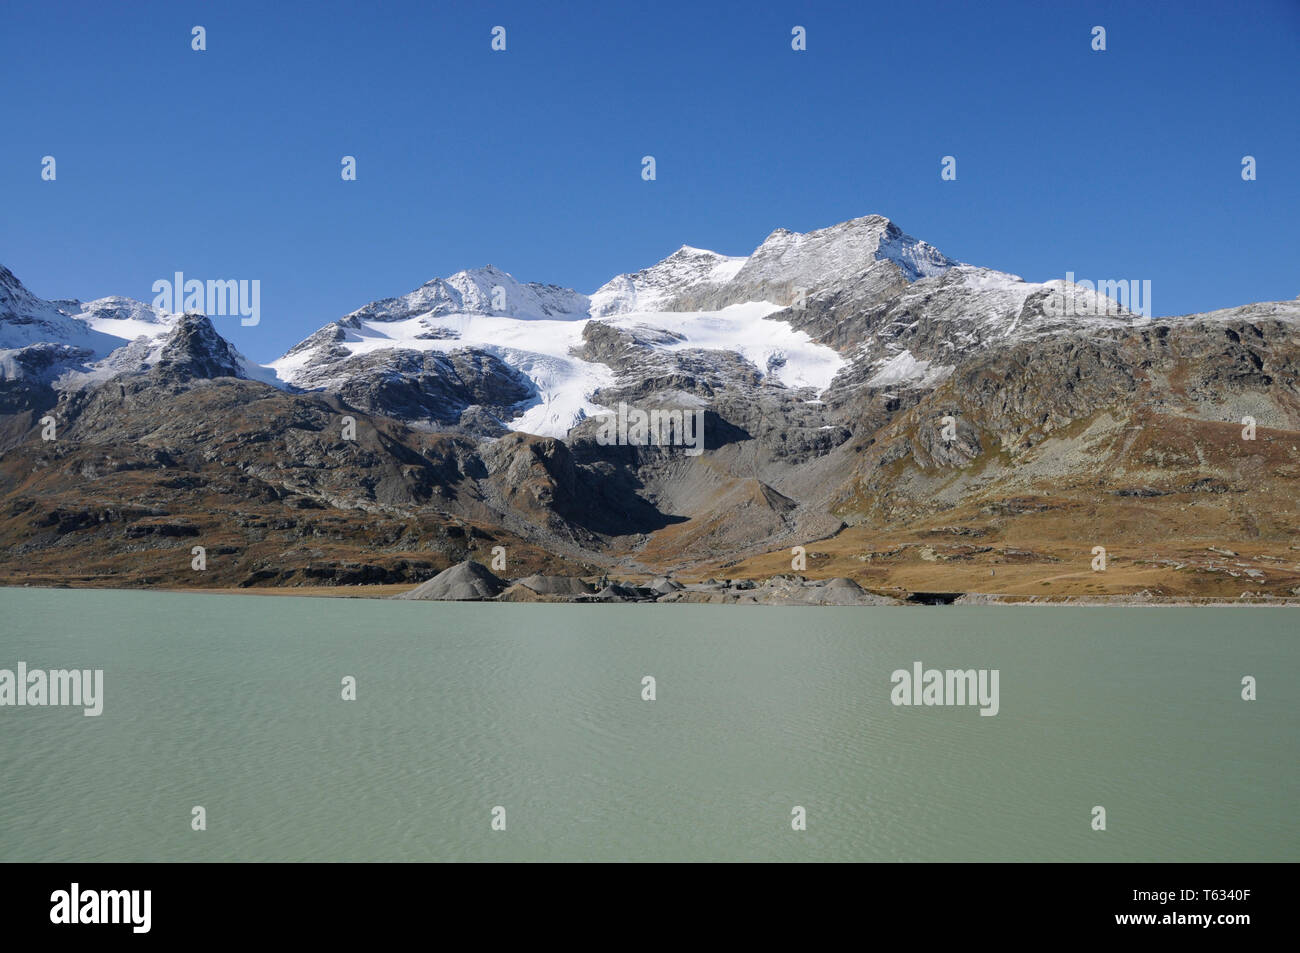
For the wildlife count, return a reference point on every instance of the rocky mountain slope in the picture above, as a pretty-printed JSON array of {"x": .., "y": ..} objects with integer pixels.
[{"x": 910, "y": 421}]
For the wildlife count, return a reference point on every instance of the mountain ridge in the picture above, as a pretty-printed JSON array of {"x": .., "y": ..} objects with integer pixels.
[{"x": 856, "y": 386}]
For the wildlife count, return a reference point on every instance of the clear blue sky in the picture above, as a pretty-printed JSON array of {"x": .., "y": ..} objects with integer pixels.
[{"x": 225, "y": 163}]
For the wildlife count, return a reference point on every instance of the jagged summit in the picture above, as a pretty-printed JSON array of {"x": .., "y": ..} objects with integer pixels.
[
  {"x": 693, "y": 277},
  {"x": 655, "y": 288},
  {"x": 486, "y": 291},
  {"x": 27, "y": 320},
  {"x": 13, "y": 295},
  {"x": 120, "y": 309},
  {"x": 70, "y": 345},
  {"x": 840, "y": 252},
  {"x": 194, "y": 349}
]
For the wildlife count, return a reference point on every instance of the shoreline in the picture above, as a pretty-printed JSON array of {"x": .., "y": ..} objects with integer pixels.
[{"x": 390, "y": 591}]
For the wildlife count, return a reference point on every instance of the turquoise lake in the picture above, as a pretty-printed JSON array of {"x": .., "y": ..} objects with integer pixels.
[{"x": 234, "y": 703}]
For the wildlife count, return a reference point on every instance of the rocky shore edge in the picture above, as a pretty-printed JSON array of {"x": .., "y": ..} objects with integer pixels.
[{"x": 470, "y": 581}]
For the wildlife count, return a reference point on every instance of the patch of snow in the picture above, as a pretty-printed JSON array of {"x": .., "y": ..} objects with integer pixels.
[
  {"x": 772, "y": 346},
  {"x": 903, "y": 368}
]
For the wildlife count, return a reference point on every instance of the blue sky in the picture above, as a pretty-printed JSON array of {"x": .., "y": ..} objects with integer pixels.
[{"x": 225, "y": 163}]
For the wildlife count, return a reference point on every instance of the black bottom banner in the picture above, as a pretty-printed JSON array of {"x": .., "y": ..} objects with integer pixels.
[{"x": 144, "y": 902}]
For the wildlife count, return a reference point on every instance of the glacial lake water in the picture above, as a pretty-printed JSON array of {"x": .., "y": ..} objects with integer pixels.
[{"x": 234, "y": 703}]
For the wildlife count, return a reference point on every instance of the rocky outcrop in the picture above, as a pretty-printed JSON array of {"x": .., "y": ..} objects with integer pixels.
[
  {"x": 194, "y": 350},
  {"x": 467, "y": 390}
]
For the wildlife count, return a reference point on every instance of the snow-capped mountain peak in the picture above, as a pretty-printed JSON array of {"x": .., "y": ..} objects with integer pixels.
[
  {"x": 80, "y": 344},
  {"x": 486, "y": 291},
  {"x": 835, "y": 254},
  {"x": 98, "y": 327},
  {"x": 654, "y": 288},
  {"x": 14, "y": 297}
]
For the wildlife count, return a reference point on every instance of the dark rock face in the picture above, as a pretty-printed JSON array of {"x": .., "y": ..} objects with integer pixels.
[
  {"x": 471, "y": 389},
  {"x": 27, "y": 383},
  {"x": 195, "y": 350}
]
